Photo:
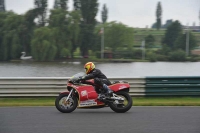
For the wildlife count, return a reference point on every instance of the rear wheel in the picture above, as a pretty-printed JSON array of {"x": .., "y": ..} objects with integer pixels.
[
  {"x": 121, "y": 106},
  {"x": 66, "y": 106}
]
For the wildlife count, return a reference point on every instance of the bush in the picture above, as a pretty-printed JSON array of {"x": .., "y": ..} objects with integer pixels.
[
  {"x": 151, "y": 56},
  {"x": 124, "y": 53},
  {"x": 194, "y": 58},
  {"x": 64, "y": 53},
  {"x": 137, "y": 54},
  {"x": 178, "y": 55},
  {"x": 162, "y": 57},
  {"x": 98, "y": 54},
  {"x": 77, "y": 52}
]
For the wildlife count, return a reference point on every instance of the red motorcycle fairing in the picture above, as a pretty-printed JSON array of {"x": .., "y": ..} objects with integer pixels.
[
  {"x": 119, "y": 86},
  {"x": 88, "y": 95}
]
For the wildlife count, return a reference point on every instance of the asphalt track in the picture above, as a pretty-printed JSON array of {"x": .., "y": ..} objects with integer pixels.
[{"x": 137, "y": 120}]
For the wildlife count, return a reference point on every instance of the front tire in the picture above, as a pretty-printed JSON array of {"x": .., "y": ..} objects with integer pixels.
[
  {"x": 66, "y": 106},
  {"x": 124, "y": 107}
]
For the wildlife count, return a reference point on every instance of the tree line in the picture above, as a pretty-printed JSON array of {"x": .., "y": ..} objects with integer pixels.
[
  {"x": 60, "y": 33},
  {"x": 173, "y": 44},
  {"x": 57, "y": 34},
  {"x": 174, "y": 41}
]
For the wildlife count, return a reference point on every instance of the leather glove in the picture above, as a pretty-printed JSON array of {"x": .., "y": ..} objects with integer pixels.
[{"x": 81, "y": 79}]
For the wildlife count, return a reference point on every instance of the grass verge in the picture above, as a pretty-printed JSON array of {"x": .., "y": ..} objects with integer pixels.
[
  {"x": 138, "y": 101},
  {"x": 167, "y": 101},
  {"x": 41, "y": 101}
]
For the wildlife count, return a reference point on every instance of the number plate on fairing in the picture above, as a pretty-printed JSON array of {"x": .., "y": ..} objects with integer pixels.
[{"x": 87, "y": 103}]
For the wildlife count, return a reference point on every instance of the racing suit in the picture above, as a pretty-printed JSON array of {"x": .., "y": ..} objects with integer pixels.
[{"x": 99, "y": 79}]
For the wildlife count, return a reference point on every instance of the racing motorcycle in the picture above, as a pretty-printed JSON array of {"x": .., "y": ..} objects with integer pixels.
[{"x": 88, "y": 95}]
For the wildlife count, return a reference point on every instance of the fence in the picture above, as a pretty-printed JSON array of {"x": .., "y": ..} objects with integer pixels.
[
  {"x": 172, "y": 86},
  {"x": 148, "y": 86}
]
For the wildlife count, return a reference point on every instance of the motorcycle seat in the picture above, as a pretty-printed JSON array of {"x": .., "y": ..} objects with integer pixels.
[{"x": 119, "y": 81}]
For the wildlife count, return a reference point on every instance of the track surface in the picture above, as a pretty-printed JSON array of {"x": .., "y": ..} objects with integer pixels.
[{"x": 104, "y": 120}]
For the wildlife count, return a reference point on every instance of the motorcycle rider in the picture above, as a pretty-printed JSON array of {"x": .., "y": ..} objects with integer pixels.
[{"x": 99, "y": 78}]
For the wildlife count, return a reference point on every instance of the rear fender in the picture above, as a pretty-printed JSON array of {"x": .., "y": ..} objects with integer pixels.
[
  {"x": 120, "y": 87},
  {"x": 124, "y": 90}
]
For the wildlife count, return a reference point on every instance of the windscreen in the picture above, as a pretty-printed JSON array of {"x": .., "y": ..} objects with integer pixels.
[{"x": 75, "y": 77}]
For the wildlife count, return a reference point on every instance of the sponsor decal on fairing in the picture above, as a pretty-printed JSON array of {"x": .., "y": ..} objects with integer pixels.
[
  {"x": 84, "y": 93},
  {"x": 87, "y": 103}
]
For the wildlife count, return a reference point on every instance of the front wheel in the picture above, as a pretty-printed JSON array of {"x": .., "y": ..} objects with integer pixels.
[
  {"x": 66, "y": 106},
  {"x": 121, "y": 106}
]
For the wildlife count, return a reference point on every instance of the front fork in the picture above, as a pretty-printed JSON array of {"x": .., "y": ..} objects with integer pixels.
[{"x": 69, "y": 94}]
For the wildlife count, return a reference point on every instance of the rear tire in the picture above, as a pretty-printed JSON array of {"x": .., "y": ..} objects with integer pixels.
[
  {"x": 122, "y": 108},
  {"x": 66, "y": 106}
]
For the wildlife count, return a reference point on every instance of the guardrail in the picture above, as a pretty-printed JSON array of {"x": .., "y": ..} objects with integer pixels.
[
  {"x": 148, "y": 86},
  {"x": 173, "y": 86}
]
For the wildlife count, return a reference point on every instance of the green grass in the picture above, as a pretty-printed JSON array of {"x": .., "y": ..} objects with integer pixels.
[
  {"x": 167, "y": 101},
  {"x": 137, "y": 101},
  {"x": 27, "y": 101}
]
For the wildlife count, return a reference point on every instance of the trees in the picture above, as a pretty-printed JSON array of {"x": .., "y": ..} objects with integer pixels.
[
  {"x": 60, "y": 4},
  {"x": 199, "y": 17},
  {"x": 56, "y": 4},
  {"x": 20, "y": 33},
  {"x": 41, "y": 10},
  {"x": 117, "y": 35},
  {"x": 168, "y": 22},
  {"x": 43, "y": 44},
  {"x": 89, "y": 9},
  {"x": 172, "y": 33},
  {"x": 11, "y": 43},
  {"x": 65, "y": 26},
  {"x": 149, "y": 40},
  {"x": 175, "y": 40},
  {"x": 77, "y": 4},
  {"x": 3, "y": 48},
  {"x": 63, "y": 4},
  {"x": 75, "y": 30},
  {"x": 181, "y": 42},
  {"x": 158, "y": 16},
  {"x": 2, "y": 6},
  {"x": 178, "y": 55},
  {"x": 27, "y": 28},
  {"x": 104, "y": 14},
  {"x": 60, "y": 28}
]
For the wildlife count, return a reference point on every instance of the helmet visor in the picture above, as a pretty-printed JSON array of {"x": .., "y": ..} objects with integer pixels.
[{"x": 86, "y": 70}]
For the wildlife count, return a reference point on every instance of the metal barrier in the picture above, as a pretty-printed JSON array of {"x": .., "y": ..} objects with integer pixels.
[
  {"x": 28, "y": 86},
  {"x": 172, "y": 86},
  {"x": 52, "y": 86}
]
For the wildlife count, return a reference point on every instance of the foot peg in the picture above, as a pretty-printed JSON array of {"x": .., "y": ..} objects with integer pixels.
[{"x": 101, "y": 97}]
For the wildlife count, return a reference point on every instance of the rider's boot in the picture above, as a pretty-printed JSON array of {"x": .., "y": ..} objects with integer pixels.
[{"x": 108, "y": 91}]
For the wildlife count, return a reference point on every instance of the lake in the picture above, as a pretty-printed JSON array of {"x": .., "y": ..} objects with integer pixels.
[{"x": 67, "y": 69}]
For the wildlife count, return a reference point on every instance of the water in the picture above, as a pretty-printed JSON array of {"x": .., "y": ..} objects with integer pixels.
[{"x": 67, "y": 69}]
